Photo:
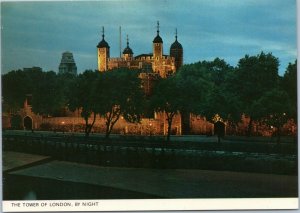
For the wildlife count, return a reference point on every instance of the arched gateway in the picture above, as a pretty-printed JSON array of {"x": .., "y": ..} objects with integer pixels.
[{"x": 27, "y": 123}]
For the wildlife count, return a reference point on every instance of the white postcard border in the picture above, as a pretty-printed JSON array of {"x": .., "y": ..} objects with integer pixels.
[{"x": 151, "y": 205}]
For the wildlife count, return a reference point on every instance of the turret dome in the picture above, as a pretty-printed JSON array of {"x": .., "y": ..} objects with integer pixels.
[
  {"x": 103, "y": 43},
  {"x": 176, "y": 45},
  {"x": 157, "y": 39},
  {"x": 128, "y": 50}
]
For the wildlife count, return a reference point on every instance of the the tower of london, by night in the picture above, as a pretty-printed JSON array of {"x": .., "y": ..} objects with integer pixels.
[{"x": 155, "y": 62}]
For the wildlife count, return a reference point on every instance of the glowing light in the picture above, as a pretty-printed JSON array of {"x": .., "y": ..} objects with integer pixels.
[{"x": 217, "y": 118}]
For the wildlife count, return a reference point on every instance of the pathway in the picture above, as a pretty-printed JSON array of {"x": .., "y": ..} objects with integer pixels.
[{"x": 170, "y": 183}]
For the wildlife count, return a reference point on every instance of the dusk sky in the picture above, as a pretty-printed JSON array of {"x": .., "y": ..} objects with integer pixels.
[{"x": 37, "y": 33}]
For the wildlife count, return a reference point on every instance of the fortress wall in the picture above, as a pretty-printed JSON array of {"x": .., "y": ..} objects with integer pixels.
[
  {"x": 200, "y": 126},
  {"x": 145, "y": 127}
]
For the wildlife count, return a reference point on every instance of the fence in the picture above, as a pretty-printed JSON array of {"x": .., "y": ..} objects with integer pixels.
[{"x": 158, "y": 154}]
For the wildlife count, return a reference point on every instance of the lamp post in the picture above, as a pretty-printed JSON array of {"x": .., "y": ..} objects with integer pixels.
[
  {"x": 150, "y": 125},
  {"x": 63, "y": 126}
]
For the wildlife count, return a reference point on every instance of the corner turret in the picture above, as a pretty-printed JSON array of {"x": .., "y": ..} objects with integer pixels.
[
  {"x": 176, "y": 51},
  {"x": 103, "y": 53},
  {"x": 127, "y": 53},
  {"x": 157, "y": 45}
]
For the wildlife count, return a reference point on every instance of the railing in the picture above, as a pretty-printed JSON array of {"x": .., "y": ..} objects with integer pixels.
[{"x": 156, "y": 154}]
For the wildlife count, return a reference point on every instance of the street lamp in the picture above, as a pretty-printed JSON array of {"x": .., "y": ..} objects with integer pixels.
[
  {"x": 150, "y": 125},
  {"x": 63, "y": 126}
]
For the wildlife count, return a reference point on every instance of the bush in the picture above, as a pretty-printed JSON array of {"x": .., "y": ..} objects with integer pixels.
[
  {"x": 46, "y": 127},
  {"x": 16, "y": 122}
]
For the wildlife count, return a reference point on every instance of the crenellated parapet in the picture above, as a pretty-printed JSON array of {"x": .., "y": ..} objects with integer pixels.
[{"x": 155, "y": 62}]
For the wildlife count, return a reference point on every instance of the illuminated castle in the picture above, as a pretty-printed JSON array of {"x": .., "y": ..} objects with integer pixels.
[
  {"x": 153, "y": 66},
  {"x": 157, "y": 62}
]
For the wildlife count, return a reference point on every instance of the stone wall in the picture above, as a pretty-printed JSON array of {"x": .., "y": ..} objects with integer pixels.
[
  {"x": 152, "y": 126},
  {"x": 148, "y": 126}
]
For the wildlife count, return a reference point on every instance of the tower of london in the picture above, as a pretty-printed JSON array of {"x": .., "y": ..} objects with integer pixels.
[{"x": 156, "y": 62}]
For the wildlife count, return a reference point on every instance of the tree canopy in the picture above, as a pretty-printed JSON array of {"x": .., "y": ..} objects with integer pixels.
[
  {"x": 167, "y": 98},
  {"x": 119, "y": 93},
  {"x": 289, "y": 85},
  {"x": 273, "y": 109},
  {"x": 15, "y": 86},
  {"x": 253, "y": 88},
  {"x": 47, "y": 94},
  {"x": 82, "y": 97},
  {"x": 44, "y": 87},
  {"x": 253, "y": 76}
]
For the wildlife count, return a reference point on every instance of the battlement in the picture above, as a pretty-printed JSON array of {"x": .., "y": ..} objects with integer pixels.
[
  {"x": 155, "y": 61},
  {"x": 116, "y": 59}
]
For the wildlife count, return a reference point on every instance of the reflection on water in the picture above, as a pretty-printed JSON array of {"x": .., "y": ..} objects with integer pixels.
[{"x": 19, "y": 187}]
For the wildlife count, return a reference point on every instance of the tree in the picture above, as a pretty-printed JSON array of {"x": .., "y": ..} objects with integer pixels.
[
  {"x": 289, "y": 85},
  {"x": 219, "y": 101},
  {"x": 167, "y": 98},
  {"x": 192, "y": 82},
  {"x": 206, "y": 84},
  {"x": 65, "y": 82},
  {"x": 16, "y": 122},
  {"x": 47, "y": 93},
  {"x": 46, "y": 90},
  {"x": 82, "y": 97},
  {"x": 273, "y": 109},
  {"x": 254, "y": 76},
  {"x": 217, "y": 98},
  {"x": 119, "y": 93},
  {"x": 217, "y": 70},
  {"x": 15, "y": 86}
]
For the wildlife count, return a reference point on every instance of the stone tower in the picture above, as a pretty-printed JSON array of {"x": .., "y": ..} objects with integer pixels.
[
  {"x": 176, "y": 51},
  {"x": 157, "y": 45},
  {"x": 103, "y": 53},
  {"x": 127, "y": 53},
  {"x": 67, "y": 64}
]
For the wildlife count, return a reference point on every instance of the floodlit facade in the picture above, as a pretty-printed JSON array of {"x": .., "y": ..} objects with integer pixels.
[
  {"x": 152, "y": 66},
  {"x": 155, "y": 62}
]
